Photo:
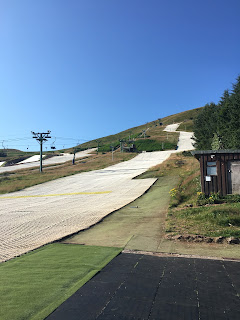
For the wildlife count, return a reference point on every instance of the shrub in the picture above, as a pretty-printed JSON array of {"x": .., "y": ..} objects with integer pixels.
[
  {"x": 153, "y": 145},
  {"x": 202, "y": 199},
  {"x": 108, "y": 147},
  {"x": 232, "y": 198},
  {"x": 187, "y": 154},
  {"x": 176, "y": 195},
  {"x": 215, "y": 198},
  {"x": 3, "y": 154}
]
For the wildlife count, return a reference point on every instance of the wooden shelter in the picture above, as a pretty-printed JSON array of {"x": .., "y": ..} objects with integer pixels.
[{"x": 220, "y": 171}]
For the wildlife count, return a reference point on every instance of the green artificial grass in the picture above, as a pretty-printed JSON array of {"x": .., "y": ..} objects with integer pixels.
[
  {"x": 35, "y": 284},
  {"x": 137, "y": 226}
]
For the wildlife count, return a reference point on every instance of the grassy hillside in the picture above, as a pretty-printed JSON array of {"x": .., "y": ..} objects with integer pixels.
[
  {"x": 14, "y": 155},
  {"x": 155, "y": 138},
  {"x": 186, "y": 117}
]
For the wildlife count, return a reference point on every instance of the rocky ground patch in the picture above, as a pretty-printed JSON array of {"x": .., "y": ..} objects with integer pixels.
[{"x": 200, "y": 238}]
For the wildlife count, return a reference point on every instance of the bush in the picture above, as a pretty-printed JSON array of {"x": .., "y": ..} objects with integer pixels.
[
  {"x": 3, "y": 154},
  {"x": 153, "y": 145},
  {"x": 108, "y": 147},
  {"x": 177, "y": 196},
  {"x": 232, "y": 198},
  {"x": 187, "y": 154},
  {"x": 215, "y": 198}
]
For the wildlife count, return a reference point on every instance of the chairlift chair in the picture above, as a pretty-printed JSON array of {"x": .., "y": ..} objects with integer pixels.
[{"x": 53, "y": 146}]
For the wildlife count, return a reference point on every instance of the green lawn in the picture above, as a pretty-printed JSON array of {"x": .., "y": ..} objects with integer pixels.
[{"x": 33, "y": 285}]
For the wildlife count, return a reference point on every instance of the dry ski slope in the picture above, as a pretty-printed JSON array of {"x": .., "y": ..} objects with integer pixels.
[
  {"x": 34, "y": 161},
  {"x": 38, "y": 215}
]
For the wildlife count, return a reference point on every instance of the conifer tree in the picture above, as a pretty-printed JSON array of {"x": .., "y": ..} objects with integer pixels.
[
  {"x": 205, "y": 125},
  {"x": 234, "y": 125},
  {"x": 224, "y": 119},
  {"x": 216, "y": 142},
  {"x": 218, "y": 126}
]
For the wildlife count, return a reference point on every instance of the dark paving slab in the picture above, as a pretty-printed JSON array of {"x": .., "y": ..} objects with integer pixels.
[
  {"x": 136, "y": 286},
  {"x": 233, "y": 271},
  {"x": 172, "y": 311}
]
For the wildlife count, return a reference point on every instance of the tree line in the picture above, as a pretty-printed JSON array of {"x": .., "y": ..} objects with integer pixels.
[{"x": 218, "y": 125}]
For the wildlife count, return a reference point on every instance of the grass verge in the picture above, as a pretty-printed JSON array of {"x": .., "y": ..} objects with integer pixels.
[
  {"x": 214, "y": 221},
  {"x": 33, "y": 285},
  {"x": 184, "y": 215}
]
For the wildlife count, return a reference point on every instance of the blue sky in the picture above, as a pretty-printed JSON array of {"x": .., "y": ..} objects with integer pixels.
[{"x": 85, "y": 69}]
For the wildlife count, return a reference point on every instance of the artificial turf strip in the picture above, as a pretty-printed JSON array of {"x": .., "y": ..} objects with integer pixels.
[{"x": 33, "y": 285}]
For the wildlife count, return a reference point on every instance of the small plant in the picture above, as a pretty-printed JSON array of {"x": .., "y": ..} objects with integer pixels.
[
  {"x": 232, "y": 198},
  {"x": 176, "y": 195},
  {"x": 173, "y": 193},
  {"x": 201, "y": 196},
  {"x": 202, "y": 199},
  {"x": 179, "y": 163},
  {"x": 197, "y": 183},
  {"x": 187, "y": 154},
  {"x": 216, "y": 198}
]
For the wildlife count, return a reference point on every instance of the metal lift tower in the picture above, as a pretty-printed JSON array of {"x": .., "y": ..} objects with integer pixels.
[{"x": 41, "y": 137}]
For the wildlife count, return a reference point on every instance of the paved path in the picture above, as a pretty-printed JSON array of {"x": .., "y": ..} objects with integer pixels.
[
  {"x": 137, "y": 286},
  {"x": 44, "y": 213}
]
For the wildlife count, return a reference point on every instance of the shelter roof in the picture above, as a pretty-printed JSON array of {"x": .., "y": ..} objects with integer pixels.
[{"x": 198, "y": 153}]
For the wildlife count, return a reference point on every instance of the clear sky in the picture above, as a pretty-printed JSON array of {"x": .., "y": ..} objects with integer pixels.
[{"x": 85, "y": 69}]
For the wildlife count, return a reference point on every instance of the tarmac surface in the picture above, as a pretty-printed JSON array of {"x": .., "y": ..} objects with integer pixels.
[{"x": 139, "y": 286}]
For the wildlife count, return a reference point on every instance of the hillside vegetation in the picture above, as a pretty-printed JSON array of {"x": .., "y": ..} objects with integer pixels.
[
  {"x": 190, "y": 213},
  {"x": 186, "y": 118},
  {"x": 12, "y": 156},
  {"x": 217, "y": 126},
  {"x": 133, "y": 139},
  {"x": 154, "y": 138}
]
